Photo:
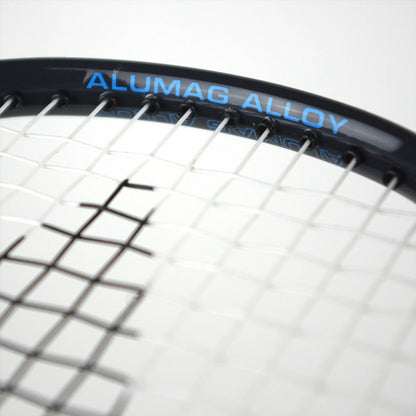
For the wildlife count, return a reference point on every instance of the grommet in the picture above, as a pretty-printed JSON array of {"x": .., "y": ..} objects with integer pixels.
[
  {"x": 154, "y": 105},
  {"x": 16, "y": 100},
  {"x": 350, "y": 155},
  {"x": 268, "y": 123},
  {"x": 234, "y": 117},
  {"x": 390, "y": 175},
  {"x": 188, "y": 105},
  {"x": 310, "y": 135},
  {"x": 111, "y": 101},
  {"x": 63, "y": 99}
]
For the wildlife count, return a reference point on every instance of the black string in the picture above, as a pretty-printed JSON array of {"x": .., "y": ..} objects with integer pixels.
[{"x": 110, "y": 330}]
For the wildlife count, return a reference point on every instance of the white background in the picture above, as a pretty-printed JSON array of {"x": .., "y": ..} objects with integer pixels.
[{"x": 359, "y": 52}]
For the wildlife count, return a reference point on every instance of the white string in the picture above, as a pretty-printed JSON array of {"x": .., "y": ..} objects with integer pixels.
[
  {"x": 175, "y": 127},
  {"x": 358, "y": 311},
  {"x": 87, "y": 120},
  {"x": 321, "y": 288},
  {"x": 201, "y": 150}
]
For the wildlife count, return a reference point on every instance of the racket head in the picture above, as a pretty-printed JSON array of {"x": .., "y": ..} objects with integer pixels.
[{"x": 374, "y": 148}]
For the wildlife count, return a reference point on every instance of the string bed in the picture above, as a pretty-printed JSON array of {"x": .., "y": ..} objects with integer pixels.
[{"x": 162, "y": 270}]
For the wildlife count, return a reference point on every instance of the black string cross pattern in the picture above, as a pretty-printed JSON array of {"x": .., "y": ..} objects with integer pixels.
[{"x": 89, "y": 366}]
